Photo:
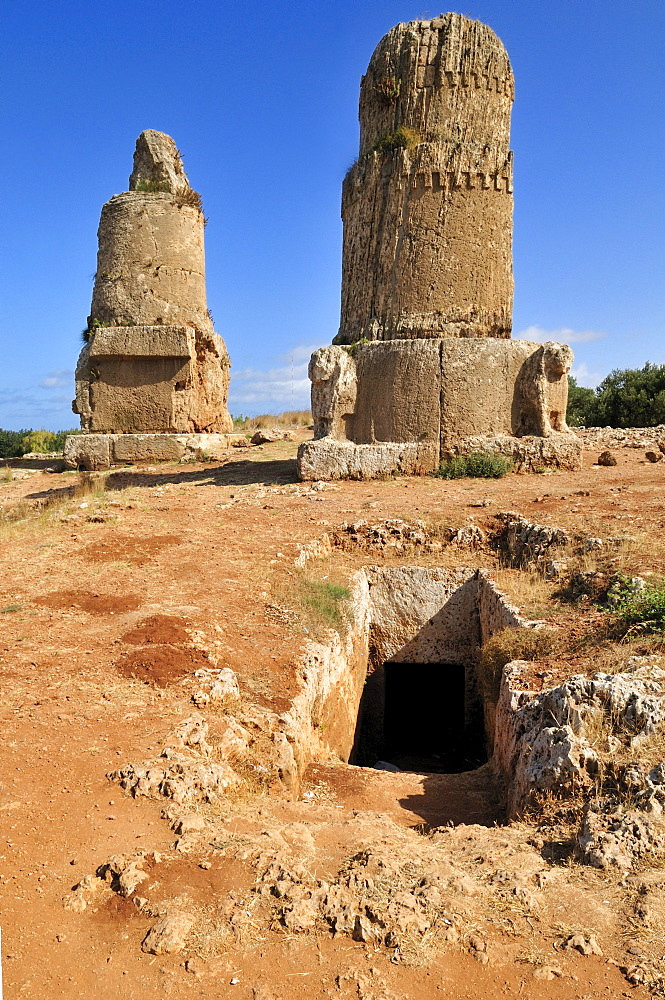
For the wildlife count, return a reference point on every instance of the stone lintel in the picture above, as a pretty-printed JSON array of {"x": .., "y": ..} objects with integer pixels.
[{"x": 143, "y": 341}]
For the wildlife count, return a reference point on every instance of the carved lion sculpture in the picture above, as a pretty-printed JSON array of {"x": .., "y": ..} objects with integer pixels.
[
  {"x": 542, "y": 391},
  {"x": 332, "y": 372}
]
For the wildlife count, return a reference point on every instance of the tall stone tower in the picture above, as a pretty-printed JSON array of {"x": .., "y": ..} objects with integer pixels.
[
  {"x": 425, "y": 367},
  {"x": 427, "y": 207},
  {"x": 152, "y": 363}
]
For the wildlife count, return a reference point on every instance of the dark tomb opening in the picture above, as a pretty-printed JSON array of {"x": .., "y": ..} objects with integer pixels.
[{"x": 420, "y": 717}]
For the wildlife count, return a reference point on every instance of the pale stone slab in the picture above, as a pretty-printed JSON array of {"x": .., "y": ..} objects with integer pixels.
[
  {"x": 398, "y": 391},
  {"x": 329, "y": 459},
  {"x": 101, "y": 451}
]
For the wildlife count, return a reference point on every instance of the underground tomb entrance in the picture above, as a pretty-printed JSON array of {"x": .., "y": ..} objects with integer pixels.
[
  {"x": 418, "y": 703},
  {"x": 414, "y": 717}
]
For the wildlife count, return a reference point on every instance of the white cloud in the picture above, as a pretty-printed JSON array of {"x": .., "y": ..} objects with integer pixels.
[
  {"x": 57, "y": 379},
  {"x": 584, "y": 377},
  {"x": 285, "y": 387},
  {"x": 563, "y": 335}
]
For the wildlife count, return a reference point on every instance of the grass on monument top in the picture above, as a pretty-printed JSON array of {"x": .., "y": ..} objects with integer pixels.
[
  {"x": 404, "y": 137},
  {"x": 478, "y": 464}
]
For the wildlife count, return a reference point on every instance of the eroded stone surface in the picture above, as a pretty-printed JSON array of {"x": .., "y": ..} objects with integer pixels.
[
  {"x": 153, "y": 362},
  {"x": 446, "y": 188},
  {"x": 541, "y": 744},
  {"x": 157, "y": 164},
  {"x": 100, "y": 451},
  {"x": 437, "y": 398}
]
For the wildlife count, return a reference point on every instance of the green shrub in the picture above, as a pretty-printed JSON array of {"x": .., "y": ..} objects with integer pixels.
[
  {"x": 511, "y": 644},
  {"x": 46, "y": 442},
  {"x": 628, "y": 397},
  {"x": 15, "y": 444},
  {"x": 388, "y": 89},
  {"x": 479, "y": 464},
  {"x": 580, "y": 404},
  {"x": 640, "y": 611},
  {"x": 153, "y": 187},
  {"x": 353, "y": 348}
]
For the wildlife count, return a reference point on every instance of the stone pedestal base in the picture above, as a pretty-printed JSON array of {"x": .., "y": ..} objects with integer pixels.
[
  {"x": 529, "y": 453},
  {"x": 326, "y": 458},
  {"x": 401, "y": 406},
  {"x": 101, "y": 451}
]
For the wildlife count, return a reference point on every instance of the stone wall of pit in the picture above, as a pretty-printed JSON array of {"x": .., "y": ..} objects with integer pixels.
[{"x": 408, "y": 614}]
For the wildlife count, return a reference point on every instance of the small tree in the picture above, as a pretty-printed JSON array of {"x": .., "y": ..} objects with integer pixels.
[
  {"x": 628, "y": 397},
  {"x": 580, "y": 404}
]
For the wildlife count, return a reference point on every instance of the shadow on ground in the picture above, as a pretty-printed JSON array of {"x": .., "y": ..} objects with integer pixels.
[
  {"x": 241, "y": 473},
  {"x": 451, "y": 799},
  {"x": 53, "y": 462}
]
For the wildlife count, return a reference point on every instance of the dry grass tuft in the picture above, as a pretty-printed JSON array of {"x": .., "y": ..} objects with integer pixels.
[
  {"x": 290, "y": 418},
  {"x": 511, "y": 644}
]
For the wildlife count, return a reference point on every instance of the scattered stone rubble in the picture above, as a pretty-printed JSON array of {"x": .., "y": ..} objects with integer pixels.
[
  {"x": 268, "y": 436},
  {"x": 184, "y": 771},
  {"x": 222, "y": 687},
  {"x": 553, "y": 551},
  {"x": 391, "y": 537},
  {"x": 622, "y": 437},
  {"x": 529, "y": 545},
  {"x": 390, "y": 887}
]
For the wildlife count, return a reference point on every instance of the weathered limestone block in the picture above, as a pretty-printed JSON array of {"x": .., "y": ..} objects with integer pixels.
[
  {"x": 101, "y": 451},
  {"x": 427, "y": 208},
  {"x": 326, "y": 458},
  {"x": 528, "y": 454},
  {"x": 497, "y": 387},
  {"x": 153, "y": 362},
  {"x": 410, "y": 409},
  {"x": 169, "y": 379}
]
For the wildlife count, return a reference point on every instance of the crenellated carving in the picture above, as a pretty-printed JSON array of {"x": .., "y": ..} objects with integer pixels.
[{"x": 425, "y": 237}]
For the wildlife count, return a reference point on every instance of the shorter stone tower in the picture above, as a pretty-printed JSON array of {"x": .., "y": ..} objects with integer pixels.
[{"x": 152, "y": 363}]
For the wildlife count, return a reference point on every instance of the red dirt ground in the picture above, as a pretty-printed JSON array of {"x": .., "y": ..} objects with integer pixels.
[{"x": 183, "y": 558}]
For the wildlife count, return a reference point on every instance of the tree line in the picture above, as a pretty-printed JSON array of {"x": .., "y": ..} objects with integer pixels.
[
  {"x": 14, "y": 444},
  {"x": 628, "y": 397}
]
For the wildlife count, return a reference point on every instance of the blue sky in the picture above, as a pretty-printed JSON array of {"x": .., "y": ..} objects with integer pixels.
[{"x": 262, "y": 99}]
